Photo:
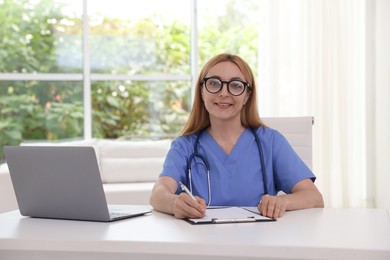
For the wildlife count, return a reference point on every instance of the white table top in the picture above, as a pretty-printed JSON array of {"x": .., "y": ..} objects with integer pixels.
[{"x": 302, "y": 234}]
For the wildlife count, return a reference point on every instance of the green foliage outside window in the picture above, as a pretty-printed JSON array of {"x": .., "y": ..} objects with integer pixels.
[{"x": 35, "y": 36}]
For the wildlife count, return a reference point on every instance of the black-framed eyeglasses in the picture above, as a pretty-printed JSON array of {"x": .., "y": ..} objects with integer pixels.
[{"x": 235, "y": 87}]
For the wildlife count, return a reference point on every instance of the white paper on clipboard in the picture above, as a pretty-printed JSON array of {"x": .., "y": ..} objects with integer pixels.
[{"x": 217, "y": 215}]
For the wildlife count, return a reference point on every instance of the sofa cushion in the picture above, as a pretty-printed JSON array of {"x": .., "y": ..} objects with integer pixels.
[
  {"x": 4, "y": 168},
  {"x": 131, "y": 161},
  {"x": 87, "y": 142}
]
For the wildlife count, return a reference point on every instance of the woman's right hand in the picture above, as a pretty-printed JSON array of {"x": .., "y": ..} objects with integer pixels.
[
  {"x": 165, "y": 199},
  {"x": 186, "y": 207}
]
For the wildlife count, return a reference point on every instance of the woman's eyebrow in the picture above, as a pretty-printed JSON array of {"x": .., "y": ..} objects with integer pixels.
[
  {"x": 237, "y": 78},
  {"x": 233, "y": 78},
  {"x": 213, "y": 76}
]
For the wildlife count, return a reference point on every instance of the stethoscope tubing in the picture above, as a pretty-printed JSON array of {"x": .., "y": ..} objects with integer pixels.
[
  {"x": 206, "y": 164},
  {"x": 257, "y": 139}
]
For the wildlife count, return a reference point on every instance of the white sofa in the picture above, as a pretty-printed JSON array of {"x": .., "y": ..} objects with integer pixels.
[{"x": 130, "y": 168}]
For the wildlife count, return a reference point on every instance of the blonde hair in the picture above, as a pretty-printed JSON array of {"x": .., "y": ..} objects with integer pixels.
[{"x": 199, "y": 118}]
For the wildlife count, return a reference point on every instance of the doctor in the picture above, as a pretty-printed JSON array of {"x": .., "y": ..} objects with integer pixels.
[{"x": 219, "y": 159}]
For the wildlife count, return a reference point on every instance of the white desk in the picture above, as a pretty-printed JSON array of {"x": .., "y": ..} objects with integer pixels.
[{"x": 304, "y": 234}]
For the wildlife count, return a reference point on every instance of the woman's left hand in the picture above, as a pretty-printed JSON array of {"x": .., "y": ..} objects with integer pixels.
[
  {"x": 273, "y": 206},
  {"x": 304, "y": 194}
]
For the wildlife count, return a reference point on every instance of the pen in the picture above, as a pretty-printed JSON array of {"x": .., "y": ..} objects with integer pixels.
[{"x": 186, "y": 190}]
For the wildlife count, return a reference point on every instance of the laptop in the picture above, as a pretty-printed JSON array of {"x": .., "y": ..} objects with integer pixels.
[{"x": 62, "y": 182}]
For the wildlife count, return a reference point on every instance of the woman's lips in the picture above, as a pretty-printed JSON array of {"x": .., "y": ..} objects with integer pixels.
[{"x": 223, "y": 105}]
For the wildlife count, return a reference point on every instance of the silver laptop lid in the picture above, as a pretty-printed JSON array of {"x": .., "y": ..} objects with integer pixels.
[{"x": 57, "y": 182}]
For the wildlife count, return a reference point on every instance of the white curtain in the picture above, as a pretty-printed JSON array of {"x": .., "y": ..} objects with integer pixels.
[
  {"x": 313, "y": 61},
  {"x": 378, "y": 96}
]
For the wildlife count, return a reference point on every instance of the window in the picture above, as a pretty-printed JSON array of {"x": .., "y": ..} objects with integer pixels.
[{"x": 125, "y": 72}]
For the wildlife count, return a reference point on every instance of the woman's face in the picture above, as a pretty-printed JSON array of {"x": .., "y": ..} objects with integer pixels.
[{"x": 223, "y": 105}]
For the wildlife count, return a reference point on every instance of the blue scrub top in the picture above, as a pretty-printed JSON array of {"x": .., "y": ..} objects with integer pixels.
[{"x": 236, "y": 179}]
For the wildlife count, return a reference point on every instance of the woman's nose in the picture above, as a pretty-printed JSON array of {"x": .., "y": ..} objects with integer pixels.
[{"x": 224, "y": 91}]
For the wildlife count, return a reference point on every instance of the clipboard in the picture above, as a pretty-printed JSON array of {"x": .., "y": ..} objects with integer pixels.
[{"x": 225, "y": 215}]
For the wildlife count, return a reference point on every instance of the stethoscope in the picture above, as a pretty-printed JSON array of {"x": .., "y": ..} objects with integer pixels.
[{"x": 203, "y": 161}]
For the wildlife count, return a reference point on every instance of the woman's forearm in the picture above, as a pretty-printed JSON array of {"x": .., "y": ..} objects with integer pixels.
[
  {"x": 304, "y": 199},
  {"x": 162, "y": 197}
]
